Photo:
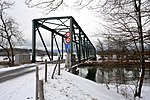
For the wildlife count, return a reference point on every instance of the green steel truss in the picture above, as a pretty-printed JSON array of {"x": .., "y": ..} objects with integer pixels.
[{"x": 80, "y": 44}]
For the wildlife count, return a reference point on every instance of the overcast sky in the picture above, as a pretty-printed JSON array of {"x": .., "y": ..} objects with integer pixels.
[{"x": 24, "y": 16}]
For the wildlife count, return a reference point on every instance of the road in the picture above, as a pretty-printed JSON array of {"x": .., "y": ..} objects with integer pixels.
[
  {"x": 19, "y": 84},
  {"x": 11, "y": 74}
]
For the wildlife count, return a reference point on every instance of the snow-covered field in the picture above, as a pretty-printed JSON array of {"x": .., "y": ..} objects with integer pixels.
[{"x": 64, "y": 87}]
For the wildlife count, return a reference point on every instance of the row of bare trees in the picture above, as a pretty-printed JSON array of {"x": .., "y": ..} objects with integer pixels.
[
  {"x": 10, "y": 35},
  {"x": 129, "y": 29}
]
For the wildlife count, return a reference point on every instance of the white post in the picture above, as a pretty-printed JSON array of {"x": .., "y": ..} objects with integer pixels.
[{"x": 68, "y": 61}]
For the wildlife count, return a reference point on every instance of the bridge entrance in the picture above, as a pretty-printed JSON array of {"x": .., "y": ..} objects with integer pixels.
[{"x": 73, "y": 39}]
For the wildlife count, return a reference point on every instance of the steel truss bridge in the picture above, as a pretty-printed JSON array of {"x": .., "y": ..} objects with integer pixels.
[{"x": 79, "y": 43}]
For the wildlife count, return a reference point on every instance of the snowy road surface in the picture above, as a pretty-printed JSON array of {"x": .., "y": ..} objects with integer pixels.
[
  {"x": 18, "y": 83},
  {"x": 11, "y": 74}
]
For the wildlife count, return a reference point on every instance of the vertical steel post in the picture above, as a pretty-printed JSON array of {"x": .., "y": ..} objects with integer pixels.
[
  {"x": 45, "y": 70},
  {"x": 79, "y": 51},
  {"x": 87, "y": 49},
  {"x": 94, "y": 53},
  {"x": 33, "y": 40},
  {"x": 62, "y": 48},
  {"x": 71, "y": 31},
  {"x": 52, "y": 45},
  {"x": 84, "y": 47},
  {"x": 71, "y": 42},
  {"x": 76, "y": 49}
]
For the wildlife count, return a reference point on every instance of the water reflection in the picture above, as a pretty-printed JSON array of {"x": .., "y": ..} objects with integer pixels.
[
  {"x": 114, "y": 75},
  {"x": 91, "y": 74}
]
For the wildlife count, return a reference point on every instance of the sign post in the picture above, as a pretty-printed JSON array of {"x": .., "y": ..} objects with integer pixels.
[{"x": 68, "y": 48}]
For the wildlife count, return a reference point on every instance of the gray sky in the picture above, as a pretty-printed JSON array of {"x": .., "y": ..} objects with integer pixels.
[{"x": 24, "y": 16}]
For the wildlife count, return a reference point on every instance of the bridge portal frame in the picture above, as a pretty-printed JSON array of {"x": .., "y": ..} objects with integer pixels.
[{"x": 80, "y": 43}]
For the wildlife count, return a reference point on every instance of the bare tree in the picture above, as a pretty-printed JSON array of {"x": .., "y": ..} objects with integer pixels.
[
  {"x": 46, "y": 5},
  {"x": 119, "y": 45},
  {"x": 130, "y": 18},
  {"x": 100, "y": 46},
  {"x": 9, "y": 31}
]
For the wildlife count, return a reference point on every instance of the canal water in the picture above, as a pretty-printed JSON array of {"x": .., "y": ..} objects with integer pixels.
[{"x": 127, "y": 76}]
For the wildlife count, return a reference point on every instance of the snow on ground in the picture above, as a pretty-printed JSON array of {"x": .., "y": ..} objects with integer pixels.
[
  {"x": 128, "y": 92},
  {"x": 19, "y": 88},
  {"x": 3, "y": 69},
  {"x": 71, "y": 87},
  {"x": 64, "y": 87}
]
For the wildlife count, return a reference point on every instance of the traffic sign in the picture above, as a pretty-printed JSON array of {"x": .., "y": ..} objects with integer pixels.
[
  {"x": 68, "y": 40},
  {"x": 67, "y": 34},
  {"x": 68, "y": 37},
  {"x": 67, "y": 47}
]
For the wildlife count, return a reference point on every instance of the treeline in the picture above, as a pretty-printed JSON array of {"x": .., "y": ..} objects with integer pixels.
[
  {"x": 25, "y": 51},
  {"x": 122, "y": 55}
]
